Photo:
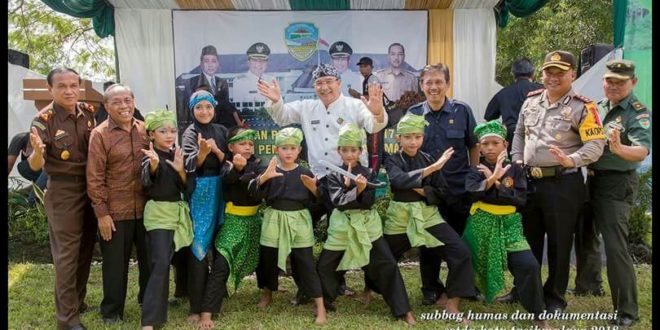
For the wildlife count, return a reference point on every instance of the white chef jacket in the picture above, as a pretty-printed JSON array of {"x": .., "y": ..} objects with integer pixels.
[{"x": 321, "y": 126}]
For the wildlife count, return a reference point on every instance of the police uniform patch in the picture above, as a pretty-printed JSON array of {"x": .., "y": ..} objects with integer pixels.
[
  {"x": 644, "y": 115},
  {"x": 583, "y": 98},
  {"x": 507, "y": 182},
  {"x": 645, "y": 123},
  {"x": 59, "y": 133},
  {"x": 536, "y": 92},
  {"x": 451, "y": 121},
  {"x": 65, "y": 155},
  {"x": 39, "y": 125},
  {"x": 340, "y": 120}
]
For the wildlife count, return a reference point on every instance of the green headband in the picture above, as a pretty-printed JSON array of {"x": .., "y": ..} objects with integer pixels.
[
  {"x": 289, "y": 136},
  {"x": 243, "y": 135},
  {"x": 411, "y": 123},
  {"x": 159, "y": 118},
  {"x": 491, "y": 128},
  {"x": 350, "y": 135}
]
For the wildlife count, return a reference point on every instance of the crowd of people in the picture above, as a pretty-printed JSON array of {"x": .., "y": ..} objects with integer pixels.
[{"x": 481, "y": 197}]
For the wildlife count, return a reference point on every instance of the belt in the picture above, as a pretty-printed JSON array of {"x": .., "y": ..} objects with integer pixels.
[
  {"x": 538, "y": 172},
  {"x": 245, "y": 211},
  {"x": 591, "y": 172},
  {"x": 68, "y": 178}
]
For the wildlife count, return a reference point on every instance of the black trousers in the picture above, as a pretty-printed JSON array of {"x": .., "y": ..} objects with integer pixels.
[
  {"x": 460, "y": 279},
  {"x": 526, "y": 272},
  {"x": 180, "y": 264},
  {"x": 160, "y": 243},
  {"x": 588, "y": 261},
  {"x": 216, "y": 285},
  {"x": 198, "y": 275},
  {"x": 116, "y": 254},
  {"x": 302, "y": 265},
  {"x": 455, "y": 212},
  {"x": 553, "y": 208},
  {"x": 382, "y": 271}
]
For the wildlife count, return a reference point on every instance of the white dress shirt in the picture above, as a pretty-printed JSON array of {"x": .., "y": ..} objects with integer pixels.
[{"x": 321, "y": 126}]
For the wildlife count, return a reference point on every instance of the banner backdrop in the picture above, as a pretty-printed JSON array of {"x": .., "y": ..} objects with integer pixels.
[{"x": 287, "y": 46}]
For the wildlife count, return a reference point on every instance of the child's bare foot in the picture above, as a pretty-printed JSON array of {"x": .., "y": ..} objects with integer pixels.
[
  {"x": 282, "y": 289},
  {"x": 364, "y": 297},
  {"x": 452, "y": 308},
  {"x": 320, "y": 312},
  {"x": 266, "y": 297},
  {"x": 542, "y": 324},
  {"x": 409, "y": 318},
  {"x": 147, "y": 327},
  {"x": 442, "y": 300},
  {"x": 193, "y": 318},
  {"x": 205, "y": 321}
]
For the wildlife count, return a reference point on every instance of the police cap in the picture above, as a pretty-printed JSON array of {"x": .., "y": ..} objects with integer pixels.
[
  {"x": 559, "y": 59},
  {"x": 258, "y": 51},
  {"x": 340, "y": 49},
  {"x": 620, "y": 69}
]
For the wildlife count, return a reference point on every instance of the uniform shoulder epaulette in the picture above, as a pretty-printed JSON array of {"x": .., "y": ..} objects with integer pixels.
[
  {"x": 583, "y": 98},
  {"x": 87, "y": 106},
  {"x": 46, "y": 113},
  {"x": 638, "y": 106},
  {"x": 415, "y": 106},
  {"x": 535, "y": 92}
]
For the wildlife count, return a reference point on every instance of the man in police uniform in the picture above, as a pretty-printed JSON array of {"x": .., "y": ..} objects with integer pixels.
[
  {"x": 558, "y": 132},
  {"x": 245, "y": 85},
  {"x": 340, "y": 58},
  {"x": 613, "y": 181},
  {"x": 59, "y": 139},
  {"x": 508, "y": 100},
  {"x": 395, "y": 79}
]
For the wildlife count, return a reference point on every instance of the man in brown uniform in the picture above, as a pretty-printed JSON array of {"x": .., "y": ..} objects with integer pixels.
[
  {"x": 59, "y": 138},
  {"x": 115, "y": 187}
]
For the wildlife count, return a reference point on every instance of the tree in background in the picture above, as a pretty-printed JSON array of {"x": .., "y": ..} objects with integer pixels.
[
  {"x": 565, "y": 24},
  {"x": 52, "y": 39}
]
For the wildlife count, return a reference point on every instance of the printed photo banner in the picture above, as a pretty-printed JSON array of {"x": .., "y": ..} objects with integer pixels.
[{"x": 287, "y": 46}]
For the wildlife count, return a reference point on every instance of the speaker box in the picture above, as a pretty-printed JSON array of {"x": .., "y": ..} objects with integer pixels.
[
  {"x": 592, "y": 54},
  {"x": 18, "y": 58}
]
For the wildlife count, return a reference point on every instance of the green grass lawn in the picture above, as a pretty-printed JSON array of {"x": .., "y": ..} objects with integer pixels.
[{"x": 32, "y": 306}]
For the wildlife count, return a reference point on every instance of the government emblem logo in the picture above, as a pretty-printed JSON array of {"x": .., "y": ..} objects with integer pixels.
[{"x": 301, "y": 40}]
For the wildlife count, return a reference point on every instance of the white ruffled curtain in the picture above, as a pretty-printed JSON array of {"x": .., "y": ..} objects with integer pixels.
[
  {"x": 378, "y": 5},
  {"x": 261, "y": 4},
  {"x": 475, "y": 44},
  {"x": 146, "y": 56}
]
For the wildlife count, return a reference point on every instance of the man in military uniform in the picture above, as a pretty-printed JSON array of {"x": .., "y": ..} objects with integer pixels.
[
  {"x": 557, "y": 134},
  {"x": 340, "y": 58},
  {"x": 613, "y": 182},
  {"x": 59, "y": 139},
  {"x": 395, "y": 79},
  {"x": 245, "y": 86},
  {"x": 508, "y": 100}
]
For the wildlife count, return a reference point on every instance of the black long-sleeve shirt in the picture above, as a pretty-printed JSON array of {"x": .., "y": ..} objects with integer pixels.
[
  {"x": 212, "y": 166},
  {"x": 347, "y": 198},
  {"x": 405, "y": 174},
  {"x": 235, "y": 183},
  {"x": 286, "y": 192},
  {"x": 515, "y": 194},
  {"x": 165, "y": 185}
]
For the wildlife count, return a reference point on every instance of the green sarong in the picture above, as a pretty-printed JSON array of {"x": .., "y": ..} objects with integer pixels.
[
  {"x": 490, "y": 237},
  {"x": 353, "y": 231},
  {"x": 411, "y": 218},
  {"x": 238, "y": 242},
  {"x": 285, "y": 230},
  {"x": 170, "y": 216}
]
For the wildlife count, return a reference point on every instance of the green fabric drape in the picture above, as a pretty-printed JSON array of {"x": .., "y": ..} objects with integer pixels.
[
  {"x": 518, "y": 8},
  {"x": 637, "y": 44},
  {"x": 100, "y": 11},
  {"x": 320, "y": 4},
  {"x": 619, "y": 8}
]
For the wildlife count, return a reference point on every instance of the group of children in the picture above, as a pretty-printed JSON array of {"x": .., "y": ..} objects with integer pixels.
[{"x": 206, "y": 195}]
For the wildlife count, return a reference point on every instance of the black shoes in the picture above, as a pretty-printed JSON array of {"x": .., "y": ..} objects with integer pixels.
[
  {"x": 583, "y": 293},
  {"x": 111, "y": 320},
  {"x": 554, "y": 308},
  {"x": 300, "y": 299},
  {"x": 429, "y": 299},
  {"x": 509, "y": 298},
  {"x": 623, "y": 321}
]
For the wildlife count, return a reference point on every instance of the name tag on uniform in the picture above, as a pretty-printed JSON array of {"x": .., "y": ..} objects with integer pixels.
[{"x": 316, "y": 122}]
